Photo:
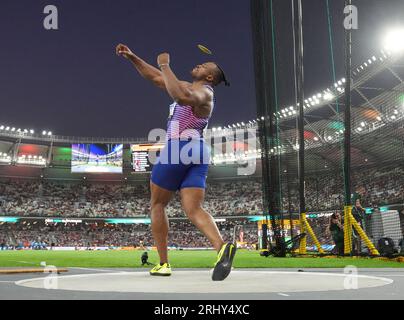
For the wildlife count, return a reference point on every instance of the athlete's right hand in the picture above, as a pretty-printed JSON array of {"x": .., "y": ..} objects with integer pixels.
[{"x": 122, "y": 50}]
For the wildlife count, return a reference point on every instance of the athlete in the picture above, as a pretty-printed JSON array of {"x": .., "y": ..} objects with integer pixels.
[{"x": 183, "y": 162}]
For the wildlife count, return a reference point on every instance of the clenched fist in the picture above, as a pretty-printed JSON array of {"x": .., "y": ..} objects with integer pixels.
[
  {"x": 123, "y": 50},
  {"x": 163, "y": 58}
]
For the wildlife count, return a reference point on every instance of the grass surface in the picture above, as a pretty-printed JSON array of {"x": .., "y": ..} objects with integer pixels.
[{"x": 178, "y": 259}]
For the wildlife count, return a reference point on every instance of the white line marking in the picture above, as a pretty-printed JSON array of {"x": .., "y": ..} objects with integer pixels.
[
  {"x": 33, "y": 264},
  {"x": 94, "y": 269},
  {"x": 101, "y": 274},
  {"x": 284, "y": 294},
  {"x": 7, "y": 281}
]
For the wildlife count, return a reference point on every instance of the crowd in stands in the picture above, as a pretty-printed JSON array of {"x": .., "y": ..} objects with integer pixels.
[
  {"x": 377, "y": 187},
  {"x": 182, "y": 234},
  {"x": 44, "y": 198},
  {"x": 69, "y": 199}
]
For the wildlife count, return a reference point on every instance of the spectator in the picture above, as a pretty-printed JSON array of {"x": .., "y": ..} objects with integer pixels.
[{"x": 337, "y": 232}]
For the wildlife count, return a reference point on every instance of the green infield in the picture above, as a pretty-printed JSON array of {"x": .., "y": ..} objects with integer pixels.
[{"x": 178, "y": 259}]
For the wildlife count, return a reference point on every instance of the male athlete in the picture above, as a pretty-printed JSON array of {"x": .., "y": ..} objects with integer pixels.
[{"x": 188, "y": 117}]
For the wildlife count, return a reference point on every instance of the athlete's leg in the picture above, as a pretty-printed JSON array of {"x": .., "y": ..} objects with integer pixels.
[
  {"x": 159, "y": 200},
  {"x": 191, "y": 200}
]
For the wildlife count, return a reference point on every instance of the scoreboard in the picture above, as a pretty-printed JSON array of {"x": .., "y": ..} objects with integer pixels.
[{"x": 142, "y": 156}]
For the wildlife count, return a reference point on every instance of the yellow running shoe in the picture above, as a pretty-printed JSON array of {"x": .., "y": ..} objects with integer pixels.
[
  {"x": 224, "y": 261},
  {"x": 161, "y": 270}
]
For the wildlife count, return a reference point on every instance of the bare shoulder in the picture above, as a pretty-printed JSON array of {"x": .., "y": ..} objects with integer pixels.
[
  {"x": 186, "y": 84},
  {"x": 201, "y": 89}
]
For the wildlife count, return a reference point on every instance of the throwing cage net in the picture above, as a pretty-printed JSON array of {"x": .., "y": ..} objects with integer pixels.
[{"x": 331, "y": 126}]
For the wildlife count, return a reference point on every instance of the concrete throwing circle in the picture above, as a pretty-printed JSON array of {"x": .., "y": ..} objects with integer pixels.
[{"x": 200, "y": 282}]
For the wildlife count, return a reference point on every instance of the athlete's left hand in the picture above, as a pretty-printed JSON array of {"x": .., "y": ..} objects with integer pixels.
[{"x": 163, "y": 58}]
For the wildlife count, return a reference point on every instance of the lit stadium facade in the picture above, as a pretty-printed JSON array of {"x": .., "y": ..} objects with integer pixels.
[{"x": 377, "y": 151}]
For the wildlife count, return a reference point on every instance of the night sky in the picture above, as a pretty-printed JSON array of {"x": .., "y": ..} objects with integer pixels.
[{"x": 71, "y": 82}]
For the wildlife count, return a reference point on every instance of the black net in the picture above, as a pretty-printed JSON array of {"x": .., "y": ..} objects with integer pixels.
[{"x": 374, "y": 185}]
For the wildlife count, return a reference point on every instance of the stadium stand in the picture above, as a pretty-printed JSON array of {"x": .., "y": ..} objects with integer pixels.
[{"x": 41, "y": 198}]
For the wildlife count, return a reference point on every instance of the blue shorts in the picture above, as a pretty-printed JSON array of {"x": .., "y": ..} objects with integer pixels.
[{"x": 182, "y": 164}]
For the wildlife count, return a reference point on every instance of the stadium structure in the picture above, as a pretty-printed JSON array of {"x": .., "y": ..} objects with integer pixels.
[{"x": 37, "y": 163}]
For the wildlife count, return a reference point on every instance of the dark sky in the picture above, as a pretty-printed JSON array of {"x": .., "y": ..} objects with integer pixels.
[{"x": 70, "y": 80}]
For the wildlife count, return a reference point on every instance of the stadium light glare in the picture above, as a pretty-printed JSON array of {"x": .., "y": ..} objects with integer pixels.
[
  {"x": 394, "y": 41},
  {"x": 328, "y": 96},
  {"x": 43, "y": 132},
  {"x": 1, "y": 127},
  {"x": 49, "y": 133}
]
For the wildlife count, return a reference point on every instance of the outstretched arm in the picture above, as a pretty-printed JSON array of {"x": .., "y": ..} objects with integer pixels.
[
  {"x": 181, "y": 91},
  {"x": 146, "y": 70}
]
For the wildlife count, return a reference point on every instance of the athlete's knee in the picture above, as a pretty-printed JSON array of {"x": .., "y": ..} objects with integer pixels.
[
  {"x": 157, "y": 206},
  {"x": 191, "y": 209}
]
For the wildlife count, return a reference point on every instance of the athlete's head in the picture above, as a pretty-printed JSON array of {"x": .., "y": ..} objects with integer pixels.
[{"x": 210, "y": 72}]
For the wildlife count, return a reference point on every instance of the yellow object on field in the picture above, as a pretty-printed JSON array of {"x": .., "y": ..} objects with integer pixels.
[
  {"x": 305, "y": 227},
  {"x": 349, "y": 222}
]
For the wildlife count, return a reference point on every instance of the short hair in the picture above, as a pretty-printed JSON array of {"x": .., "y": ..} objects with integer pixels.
[{"x": 220, "y": 77}]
